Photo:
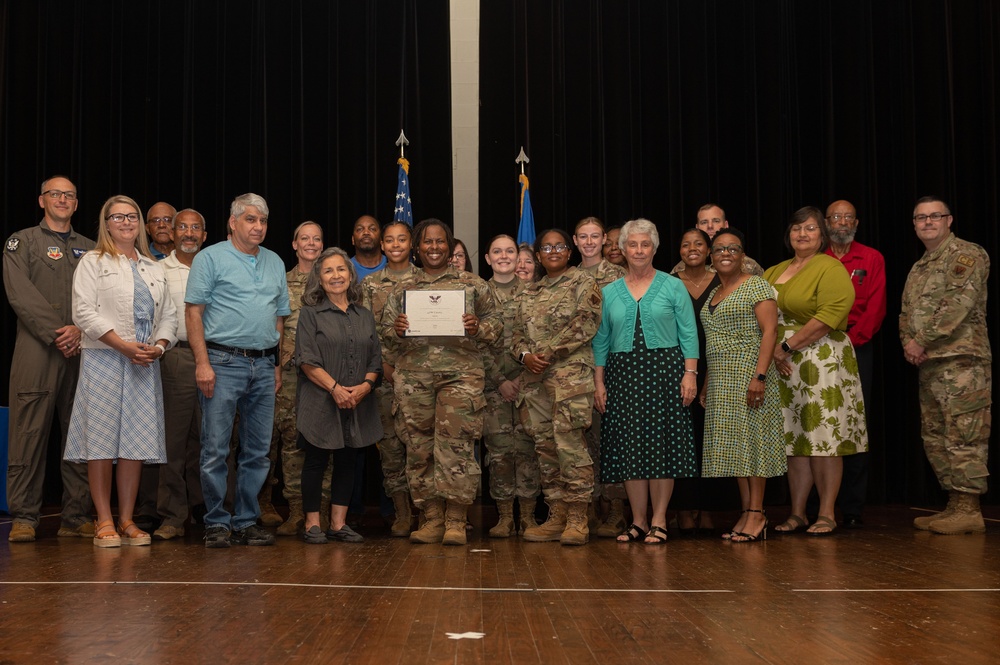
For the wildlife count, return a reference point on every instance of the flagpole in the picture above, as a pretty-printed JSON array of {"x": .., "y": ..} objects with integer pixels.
[{"x": 402, "y": 210}]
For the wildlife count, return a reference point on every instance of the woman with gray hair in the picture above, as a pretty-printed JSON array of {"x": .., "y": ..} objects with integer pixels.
[
  {"x": 339, "y": 358},
  {"x": 646, "y": 352}
]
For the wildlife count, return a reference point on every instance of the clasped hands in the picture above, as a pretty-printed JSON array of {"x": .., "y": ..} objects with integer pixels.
[{"x": 348, "y": 397}]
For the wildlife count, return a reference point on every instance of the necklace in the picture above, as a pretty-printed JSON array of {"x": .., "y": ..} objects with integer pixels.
[{"x": 697, "y": 284}]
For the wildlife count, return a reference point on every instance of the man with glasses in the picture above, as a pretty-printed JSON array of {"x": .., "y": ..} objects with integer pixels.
[
  {"x": 179, "y": 485},
  {"x": 160, "y": 227},
  {"x": 236, "y": 304},
  {"x": 711, "y": 220},
  {"x": 866, "y": 266},
  {"x": 38, "y": 265},
  {"x": 942, "y": 326}
]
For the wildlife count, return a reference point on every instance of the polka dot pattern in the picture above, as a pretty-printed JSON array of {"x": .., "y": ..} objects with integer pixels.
[{"x": 646, "y": 431}]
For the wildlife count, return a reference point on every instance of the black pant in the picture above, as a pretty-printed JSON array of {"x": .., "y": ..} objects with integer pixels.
[
  {"x": 854, "y": 484},
  {"x": 313, "y": 466}
]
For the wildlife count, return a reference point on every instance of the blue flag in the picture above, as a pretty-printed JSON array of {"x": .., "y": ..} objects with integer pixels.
[
  {"x": 403, "y": 210},
  {"x": 526, "y": 229}
]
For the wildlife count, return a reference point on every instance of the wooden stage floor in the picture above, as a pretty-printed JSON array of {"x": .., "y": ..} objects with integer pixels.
[{"x": 882, "y": 594}]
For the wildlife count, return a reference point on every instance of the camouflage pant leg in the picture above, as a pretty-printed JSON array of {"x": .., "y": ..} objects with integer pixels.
[
  {"x": 555, "y": 412},
  {"x": 955, "y": 421},
  {"x": 609, "y": 491},
  {"x": 391, "y": 451},
  {"x": 510, "y": 452},
  {"x": 439, "y": 415},
  {"x": 286, "y": 437}
]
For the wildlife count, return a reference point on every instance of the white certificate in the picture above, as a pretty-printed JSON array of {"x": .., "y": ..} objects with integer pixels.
[{"x": 434, "y": 313}]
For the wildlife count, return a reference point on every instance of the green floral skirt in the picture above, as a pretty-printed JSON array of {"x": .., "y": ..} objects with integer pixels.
[{"x": 821, "y": 401}]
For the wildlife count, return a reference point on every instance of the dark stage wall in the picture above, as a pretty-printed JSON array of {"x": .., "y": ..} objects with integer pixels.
[{"x": 625, "y": 109}]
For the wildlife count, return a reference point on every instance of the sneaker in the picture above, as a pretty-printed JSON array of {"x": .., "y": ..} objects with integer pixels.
[
  {"x": 217, "y": 536},
  {"x": 253, "y": 535},
  {"x": 84, "y": 530},
  {"x": 167, "y": 532},
  {"x": 21, "y": 532}
]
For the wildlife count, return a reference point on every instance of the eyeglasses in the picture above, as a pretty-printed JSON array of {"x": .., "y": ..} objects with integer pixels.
[
  {"x": 811, "y": 228},
  {"x": 184, "y": 227},
  {"x": 727, "y": 249},
  {"x": 55, "y": 194},
  {"x": 548, "y": 249},
  {"x": 934, "y": 217},
  {"x": 118, "y": 217},
  {"x": 156, "y": 221},
  {"x": 836, "y": 217}
]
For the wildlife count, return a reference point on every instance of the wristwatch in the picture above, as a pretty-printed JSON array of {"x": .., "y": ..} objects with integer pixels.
[
  {"x": 785, "y": 347},
  {"x": 762, "y": 378},
  {"x": 520, "y": 358}
]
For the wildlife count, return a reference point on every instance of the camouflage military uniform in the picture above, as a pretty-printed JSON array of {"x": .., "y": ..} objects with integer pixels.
[
  {"x": 438, "y": 384},
  {"x": 558, "y": 318},
  {"x": 375, "y": 290},
  {"x": 944, "y": 311},
  {"x": 750, "y": 267},
  {"x": 285, "y": 434},
  {"x": 603, "y": 273},
  {"x": 510, "y": 451}
]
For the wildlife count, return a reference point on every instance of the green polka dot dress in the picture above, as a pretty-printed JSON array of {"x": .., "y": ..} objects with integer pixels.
[{"x": 646, "y": 431}]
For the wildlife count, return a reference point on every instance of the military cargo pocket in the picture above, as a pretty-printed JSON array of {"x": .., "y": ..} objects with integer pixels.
[
  {"x": 573, "y": 406},
  {"x": 971, "y": 417}
]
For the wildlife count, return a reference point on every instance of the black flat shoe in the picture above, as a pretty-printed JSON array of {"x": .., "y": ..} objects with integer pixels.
[
  {"x": 345, "y": 535},
  {"x": 853, "y": 522},
  {"x": 315, "y": 536}
]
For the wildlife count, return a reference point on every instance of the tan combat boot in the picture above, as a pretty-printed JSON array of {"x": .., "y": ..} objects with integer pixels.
[
  {"x": 268, "y": 515},
  {"x": 527, "y": 506},
  {"x": 552, "y": 528},
  {"x": 924, "y": 523},
  {"x": 401, "y": 525},
  {"x": 295, "y": 522},
  {"x": 615, "y": 523},
  {"x": 593, "y": 519},
  {"x": 454, "y": 524},
  {"x": 505, "y": 525},
  {"x": 432, "y": 530},
  {"x": 966, "y": 517},
  {"x": 576, "y": 532}
]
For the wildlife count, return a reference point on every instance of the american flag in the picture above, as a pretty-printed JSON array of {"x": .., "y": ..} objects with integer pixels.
[{"x": 403, "y": 211}]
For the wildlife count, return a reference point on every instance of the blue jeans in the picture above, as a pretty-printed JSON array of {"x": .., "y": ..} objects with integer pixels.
[{"x": 246, "y": 384}]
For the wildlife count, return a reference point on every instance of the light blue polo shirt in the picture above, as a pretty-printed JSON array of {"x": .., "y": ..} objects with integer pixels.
[{"x": 243, "y": 295}]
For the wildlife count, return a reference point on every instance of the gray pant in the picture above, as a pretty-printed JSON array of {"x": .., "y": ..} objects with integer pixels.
[
  {"x": 42, "y": 385},
  {"x": 179, "y": 485}
]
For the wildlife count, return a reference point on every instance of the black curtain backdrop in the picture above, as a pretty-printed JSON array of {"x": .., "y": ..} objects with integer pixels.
[
  {"x": 650, "y": 109},
  {"x": 625, "y": 109},
  {"x": 197, "y": 102}
]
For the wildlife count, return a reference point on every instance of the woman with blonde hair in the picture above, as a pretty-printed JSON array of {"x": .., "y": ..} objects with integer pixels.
[{"x": 121, "y": 304}]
